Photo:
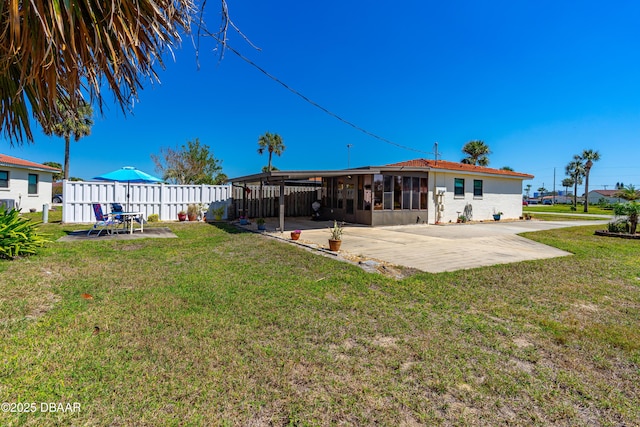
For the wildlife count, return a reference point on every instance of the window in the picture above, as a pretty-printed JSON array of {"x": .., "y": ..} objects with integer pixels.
[
  {"x": 388, "y": 192},
  {"x": 349, "y": 195},
  {"x": 397, "y": 192},
  {"x": 326, "y": 192},
  {"x": 424, "y": 192},
  {"x": 4, "y": 179},
  {"x": 364, "y": 192},
  {"x": 415, "y": 193},
  {"x": 33, "y": 183},
  {"x": 458, "y": 187},
  {"x": 477, "y": 188},
  {"x": 339, "y": 193},
  {"x": 377, "y": 192}
]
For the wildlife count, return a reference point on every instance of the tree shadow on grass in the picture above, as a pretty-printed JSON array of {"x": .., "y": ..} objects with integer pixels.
[{"x": 227, "y": 227}]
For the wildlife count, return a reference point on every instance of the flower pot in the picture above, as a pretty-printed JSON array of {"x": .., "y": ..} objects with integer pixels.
[
  {"x": 182, "y": 217},
  {"x": 334, "y": 245},
  {"x": 193, "y": 217},
  {"x": 244, "y": 221},
  {"x": 496, "y": 217},
  {"x": 262, "y": 227},
  {"x": 294, "y": 235}
]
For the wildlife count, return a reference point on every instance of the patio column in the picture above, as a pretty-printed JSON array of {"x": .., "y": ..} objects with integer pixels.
[{"x": 282, "y": 206}]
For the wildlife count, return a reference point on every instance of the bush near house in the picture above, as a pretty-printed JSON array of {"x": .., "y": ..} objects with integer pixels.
[{"x": 18, "y": 235}]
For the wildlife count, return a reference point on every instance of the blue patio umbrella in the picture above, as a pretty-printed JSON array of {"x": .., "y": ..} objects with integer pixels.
[{"x": 128, "y": 174}]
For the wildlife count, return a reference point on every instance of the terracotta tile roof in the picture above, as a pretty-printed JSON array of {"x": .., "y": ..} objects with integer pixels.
[
  {"x": 16, "y": 162},
  {"x": 453, "y": 166},
  {"x": 606, "y": 193}
]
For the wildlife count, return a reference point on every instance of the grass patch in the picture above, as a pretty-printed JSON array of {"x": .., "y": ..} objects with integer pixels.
[
  {"x": 220, "y": 327},
  {"x": 564, "y": 213},
  {"x": 566, "y": 209}
]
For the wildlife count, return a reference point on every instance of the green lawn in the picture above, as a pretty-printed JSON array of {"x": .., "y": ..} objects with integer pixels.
[
  {"x": 593, "y": 209},
  {"x": 220, "y": 327}
]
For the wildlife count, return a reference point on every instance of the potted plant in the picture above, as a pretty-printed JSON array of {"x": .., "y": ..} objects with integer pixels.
[
  {"x": 261, "y": 225},
  {"x": 335, "y": 239},
  {"x": 203, "y": 208},
  {"x": 462, "y": 219},
  {"x": 243, "y": 220},
  {"x": 182, "y": 216},
  {"x": 295, "y": 234},
  {"x": 192, "y": 212},
  {"x": 218, "y": 212},
  {"x": 496, "y": 215}
]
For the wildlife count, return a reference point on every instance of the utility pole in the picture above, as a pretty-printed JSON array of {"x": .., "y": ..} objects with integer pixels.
[
  {"x": 435, "y": 150},
  {"x": 554, "y": 185},
  {"x": 349, "y": 155}
]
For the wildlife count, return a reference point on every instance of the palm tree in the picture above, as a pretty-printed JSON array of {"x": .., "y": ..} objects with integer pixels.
[
  {"x": 272, "y": 143},
  {"x": 527, "y": 190},
  {"x": 477, "y": 152},
  {"x": 628, "y": 193},
  {"x": 631, "y": 209},
  {"x": 76, "y": 122},
  {"x": 542, "y": 190},
  {"x": 575, "y": 170},
  {"x": 588, "y": 156},
  {"x": 51, "y": 49},
  {"x": 566, "y": 183}
]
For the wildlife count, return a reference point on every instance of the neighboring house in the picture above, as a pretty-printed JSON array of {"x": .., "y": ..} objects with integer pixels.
[
  {"x": 595, "y": 196},
  {"x": 416, "y": 191},
  {"x": 25, "y": 184}
]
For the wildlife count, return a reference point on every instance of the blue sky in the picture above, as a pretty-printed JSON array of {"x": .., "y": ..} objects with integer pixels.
[{"x": 538, "y": 81}]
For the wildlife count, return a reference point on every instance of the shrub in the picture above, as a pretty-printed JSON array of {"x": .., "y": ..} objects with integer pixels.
[
  {"x": 631, "y": 210},
  {"x": 18, "y": 235},
  {"x": 192, "y": 210},
  {"x": 153, "y": 218},
  {"x": 336, "y": 231},
  {"x": 618, "y": 226}
]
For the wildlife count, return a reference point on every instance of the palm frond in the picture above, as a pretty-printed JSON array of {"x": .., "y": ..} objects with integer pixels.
[{"x": 54, "y": 48}]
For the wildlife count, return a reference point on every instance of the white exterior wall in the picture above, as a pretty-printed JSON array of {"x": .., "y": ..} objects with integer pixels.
[
  {"x": 19, "y": 188},
  {"x": 500, "y": 194},
  {"x": 594, "y": 198}
]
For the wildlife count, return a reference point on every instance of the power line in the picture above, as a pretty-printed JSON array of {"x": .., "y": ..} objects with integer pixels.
[{"x": 315, "y": 104}]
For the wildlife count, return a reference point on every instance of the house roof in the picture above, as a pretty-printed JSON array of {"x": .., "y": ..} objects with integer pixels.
[
  {"x": 458, "y": 167},
  {"x": 24, "y": 164},
  {"x": 417, "y": 165},
  {"x": 606, "y": 193}
]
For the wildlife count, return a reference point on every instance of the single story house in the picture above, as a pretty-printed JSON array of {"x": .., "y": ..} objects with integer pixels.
[
  {"x": 609, "y": 196},
  {"x": 24, "y": 184},
  {"x": 415, "y": 191}
]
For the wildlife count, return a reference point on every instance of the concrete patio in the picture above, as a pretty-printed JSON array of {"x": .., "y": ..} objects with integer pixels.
[
  {"x": 432, "y": 248},
  {"x": 149, "y": 233}
]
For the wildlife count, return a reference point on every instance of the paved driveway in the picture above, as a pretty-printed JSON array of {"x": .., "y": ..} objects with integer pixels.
[{"x": 435, "y": 249}]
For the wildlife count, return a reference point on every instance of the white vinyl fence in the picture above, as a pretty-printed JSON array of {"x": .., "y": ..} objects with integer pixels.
[{"x": 162, "y": 199}]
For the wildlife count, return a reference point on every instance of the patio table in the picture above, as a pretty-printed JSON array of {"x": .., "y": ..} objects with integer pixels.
[{"x": 130, "y": 217}]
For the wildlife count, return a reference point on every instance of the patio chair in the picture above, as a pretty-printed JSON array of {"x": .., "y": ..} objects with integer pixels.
[
  {"x": 104, "y": 222},
  {"x": 115, "y": 209}
]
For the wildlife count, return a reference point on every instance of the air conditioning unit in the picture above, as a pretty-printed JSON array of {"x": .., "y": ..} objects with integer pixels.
[{"x": 8, "y": 203}]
